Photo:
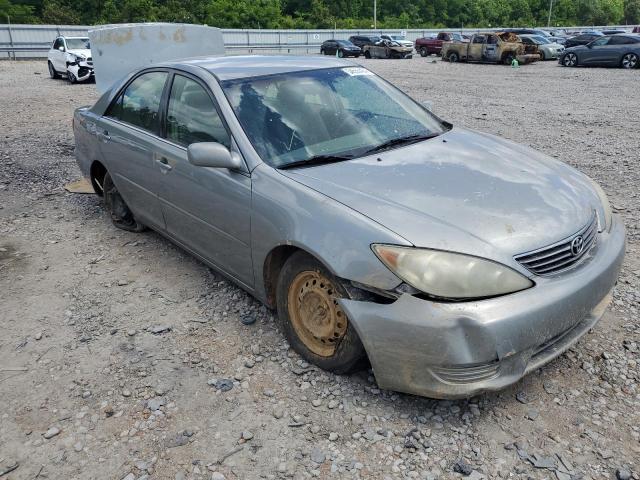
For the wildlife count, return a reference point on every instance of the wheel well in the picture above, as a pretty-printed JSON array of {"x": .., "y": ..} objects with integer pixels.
[
  {"x": 97, "y": 172},
  {"x": 272, "y": 266}
]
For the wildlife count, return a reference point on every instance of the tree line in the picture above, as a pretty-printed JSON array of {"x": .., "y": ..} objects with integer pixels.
[{"x": 312, "y": 14}]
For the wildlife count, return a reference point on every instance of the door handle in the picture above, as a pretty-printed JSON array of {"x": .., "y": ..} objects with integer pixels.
[
  {"x": 164, "y": 164},
  {"x": 104, "y": 135}
]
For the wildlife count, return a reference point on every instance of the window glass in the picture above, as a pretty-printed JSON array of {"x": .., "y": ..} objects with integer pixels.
[
  {"x": 620, "y": 41},
  {"x": 139, "y": 104},
  {"x": 58, "y": 43},
  {"x": 478, "y": 39},
  {"x": 601, "y": 41},
  {"x": 192, "y": 116}
]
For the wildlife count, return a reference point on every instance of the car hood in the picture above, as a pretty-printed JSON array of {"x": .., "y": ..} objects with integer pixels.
[
  {"x": 80, "y": 51},
  {"x": 462, "y": 191}
]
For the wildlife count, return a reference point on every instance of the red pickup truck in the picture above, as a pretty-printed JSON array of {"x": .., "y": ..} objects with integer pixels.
[{"x": 426, "y": 46}]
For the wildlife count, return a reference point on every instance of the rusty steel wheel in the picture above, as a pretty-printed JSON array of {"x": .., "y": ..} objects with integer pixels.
[
  {"x": 315, "y": 314},
  {"x": 311, "y": 318}
]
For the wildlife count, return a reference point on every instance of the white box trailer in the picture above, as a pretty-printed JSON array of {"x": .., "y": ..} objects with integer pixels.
[{"x": 118, "y": 49}]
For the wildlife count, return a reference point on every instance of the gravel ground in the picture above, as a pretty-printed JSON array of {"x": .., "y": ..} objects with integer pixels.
[{"x": 121, "y": 357}]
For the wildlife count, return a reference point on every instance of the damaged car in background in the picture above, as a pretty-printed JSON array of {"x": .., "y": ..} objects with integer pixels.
[
  {"x": 387, "y": 49},
  {"x": 454, "y": 261},
  {"x": 491, "y": 47},
  {"x": 71, "y": 57}
]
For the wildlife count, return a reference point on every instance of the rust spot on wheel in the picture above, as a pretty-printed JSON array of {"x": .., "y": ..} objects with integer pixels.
[{"x": 315, "y": 314}]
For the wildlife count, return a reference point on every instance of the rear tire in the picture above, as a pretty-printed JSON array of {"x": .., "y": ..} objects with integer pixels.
[
  {"x": 120, "y": 214},
  {"x": 453, "y": 57},
  {"x": 311, "y": 319},
  {"x": 630, "y": 61},
  {"x": 508, "y": 58},
  {"x": 340, "y": 53},
  {"x": 52, "y": 71}
]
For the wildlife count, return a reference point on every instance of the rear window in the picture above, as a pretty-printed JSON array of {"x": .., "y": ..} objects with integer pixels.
[{"x": 139, "y": 103}]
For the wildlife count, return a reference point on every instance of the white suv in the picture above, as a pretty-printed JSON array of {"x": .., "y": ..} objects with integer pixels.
[{"x": 71, "y": 56}]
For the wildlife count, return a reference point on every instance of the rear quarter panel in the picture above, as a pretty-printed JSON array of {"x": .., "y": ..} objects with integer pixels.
[{"x": 84, "y": 131}]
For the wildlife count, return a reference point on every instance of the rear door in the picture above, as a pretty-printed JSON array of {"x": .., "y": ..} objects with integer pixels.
[
  {"x": 208, "y": 210},
  {"x": 127, "y": 136},
  {"x": 490, "y": 49}
]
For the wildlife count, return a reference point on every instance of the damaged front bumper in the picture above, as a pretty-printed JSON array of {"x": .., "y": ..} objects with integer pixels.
[
  {"x": 454, "y": 350},
  {"x": 82, "y": 70}
]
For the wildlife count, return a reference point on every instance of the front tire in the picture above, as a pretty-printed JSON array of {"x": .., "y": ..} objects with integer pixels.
[
  {"x": 52, "y": 71},
  {"x": 630, "y": 61},
  {"x": 367, "y": 54},
  {"x": 311, "y": 319},
  {"x": 119, "y": 211},
  {"x": 424, "y": 52},
  {"x": 71, "y": 77},
  {"x": 570, "y": 60},
  {"x": 542, "y": 57}
]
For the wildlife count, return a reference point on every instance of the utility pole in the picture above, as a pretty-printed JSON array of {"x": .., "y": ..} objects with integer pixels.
[
  {"x": 549, "y": 19},
  {"x": 375, "y": 14}
]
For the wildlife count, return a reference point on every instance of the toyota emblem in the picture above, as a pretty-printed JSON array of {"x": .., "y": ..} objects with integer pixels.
[{"x": 577, "y": 244}]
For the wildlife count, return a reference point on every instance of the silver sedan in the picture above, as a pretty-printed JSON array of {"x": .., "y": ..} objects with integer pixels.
[{"x": 455, "y": 262}]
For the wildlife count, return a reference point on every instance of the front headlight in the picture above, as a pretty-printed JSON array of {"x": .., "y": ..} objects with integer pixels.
[
  {"x": 450, "y": 275},
  {"x": 605, "y": 223}
]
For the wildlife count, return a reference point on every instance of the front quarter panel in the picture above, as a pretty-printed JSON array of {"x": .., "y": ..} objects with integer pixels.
[{"x": 286, "y": 212}]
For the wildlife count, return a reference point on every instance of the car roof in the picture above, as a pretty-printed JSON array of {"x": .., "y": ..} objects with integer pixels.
[{"x": 246, "y": 66}]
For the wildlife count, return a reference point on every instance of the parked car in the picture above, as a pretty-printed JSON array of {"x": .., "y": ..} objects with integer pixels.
[
  {"x": 529, "y": 31},
  {"x": 612, "y": 50},
  {"x": 71, "y": 57},
  {"x": 374, "y": 228},
  {"x": 636, "y": 29},
  {"x": 426, "y": 45},
  {"x": 491, "y": 47},
  {"x": 401, "y": 39},
  {"x": 546, "y": 49},
  {"x": 613, "y": 32},
  {"x": 387, "y": 49},
  {"x": 581, "y": 39},
  {"x": 364, "y": 40},
  {"x": 341, "y": 48}
]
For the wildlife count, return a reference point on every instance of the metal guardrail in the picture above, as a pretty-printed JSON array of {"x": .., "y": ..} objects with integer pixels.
[{"x": 33, "y": 41}]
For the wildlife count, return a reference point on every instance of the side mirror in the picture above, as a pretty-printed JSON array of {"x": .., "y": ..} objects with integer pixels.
[
  {"x": 61, "y": 48},
  {"x": 214, "y": 155}
]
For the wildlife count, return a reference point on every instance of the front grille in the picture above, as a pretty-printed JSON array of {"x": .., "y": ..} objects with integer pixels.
[{"x": 563, "y": 254}]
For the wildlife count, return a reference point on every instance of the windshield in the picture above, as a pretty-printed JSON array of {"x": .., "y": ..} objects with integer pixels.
[
  {"x": 347, "y": 111},
  {"x": 397, "y": 37},
  {"x": 78, "y": 43},
  {"x": 540, "y": 40}
]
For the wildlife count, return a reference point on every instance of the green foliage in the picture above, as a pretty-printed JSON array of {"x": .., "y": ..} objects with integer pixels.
[
  {"x": 341, "y": 14},
  {"x": 20, "y": 13}
]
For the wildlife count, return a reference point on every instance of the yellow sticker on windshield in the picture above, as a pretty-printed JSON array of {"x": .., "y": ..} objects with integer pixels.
[{"x": 355, "y": 71}]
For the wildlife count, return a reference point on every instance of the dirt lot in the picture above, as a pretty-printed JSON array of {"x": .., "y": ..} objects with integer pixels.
[{"x": 112, "y": 342}]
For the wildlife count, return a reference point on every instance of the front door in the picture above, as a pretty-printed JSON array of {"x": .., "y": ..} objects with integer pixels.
[
  {"x": 598, "y": 52},
  {"x": 208, "y": 210},
  {"x": 127, "y": 135},
  {"x": 58, "y": 57},
  {"x": 475, "y": 48}
]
